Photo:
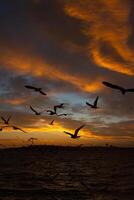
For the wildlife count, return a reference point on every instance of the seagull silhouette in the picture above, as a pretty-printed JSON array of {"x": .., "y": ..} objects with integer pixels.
[
  {"x": 52, "y": 122},
  {"x": 117, "y": 87},
  {"x": 35, "y": 89},
  {"x": 36, "y": 113},
  {"x": 75, "y": 135},
  {"x": 32, "y": 140},
  {"x": 6, "y": 121},
  {"x": 17, "y": 128},
  {"x": 94, "y": 105}
]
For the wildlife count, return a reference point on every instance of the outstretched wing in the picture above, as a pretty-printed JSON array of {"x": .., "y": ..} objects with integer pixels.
[
  {"x": 88, "y": 104},
  {"x": 68, "y": 133},
  {"x": 96, "y": 101},
  {"x": 8, "y": 118},
  {"x": 130, "y": 90},
  {"x": 30, "y": 87},
  {"x": 55, "y": 109},
  {"x": 3, "y": 119},
  {"x": 17, "y": 128},
  {"x": 63, "y": 114},
  {"x": 77, "y": 130},
  {"x": 22, "y": 130},
  {"x": 52, "y": 122},
  {"x": 43, "y": 93},
  {"x": 33, "y": 109},
  {"x": 113, "y": 86}
]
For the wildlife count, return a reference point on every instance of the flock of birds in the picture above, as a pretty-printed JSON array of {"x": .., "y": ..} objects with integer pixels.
[{"x": 54, "y": 111}]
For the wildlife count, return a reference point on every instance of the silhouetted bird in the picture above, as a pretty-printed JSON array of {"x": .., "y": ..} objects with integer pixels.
[
  {"x": 35, "y": 89},
  {"x": 17, "y": 128},
  {"x": 36, "y": 113},
  {"x": 32, "y": 140},
  {"x": 94, "y": 105},
  {"x": 123, "y": 90},
  {"x": 6, "y": 121},
  {"x": 52, "y": 122},
  {"x": 75, "y": 135}
]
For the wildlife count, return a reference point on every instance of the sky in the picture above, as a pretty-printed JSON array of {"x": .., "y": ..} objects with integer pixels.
[{"x": 67, "y": 47}]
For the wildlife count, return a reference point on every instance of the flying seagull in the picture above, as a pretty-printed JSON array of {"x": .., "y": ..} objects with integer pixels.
[
  {"x": 75, "y": 135},
  {"x": 94, "y": 105},
  {"x": 52, "y": 122},
  {"x": 32, "y": 140},
  {"x": 35, "y": 89},
  {"x": 117, "y": 87},
  {"x": 17, "y": 128},
  {"x": 36, "y": 113},
  {"x": 6, "y": 121}
]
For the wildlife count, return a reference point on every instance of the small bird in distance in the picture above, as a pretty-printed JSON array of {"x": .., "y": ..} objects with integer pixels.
[
  {"x": 6, "y": 121},
  {"x": 40, "y": 90},
  {"x": 94, "y": 105}
]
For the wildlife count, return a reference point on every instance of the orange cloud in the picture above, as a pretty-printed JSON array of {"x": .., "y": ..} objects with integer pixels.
[
  {"x": 106, "y": 22},
  {"x": 37, "y": 67}
]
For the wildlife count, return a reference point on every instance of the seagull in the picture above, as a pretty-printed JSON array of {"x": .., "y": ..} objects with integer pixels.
[
  {"x": 117, "y": 87},
  {"x": 52, "y": 122},
  {"x": 36, "y": 113},
  {"x": 6, "y": 121},
  {"x": 94, "y": 105},
  {"x": 75, "y": 135},
  {"x": 32, "y": 140},
  {"x": 35, "y": 89},
  {"x": 17, "y": 128}
]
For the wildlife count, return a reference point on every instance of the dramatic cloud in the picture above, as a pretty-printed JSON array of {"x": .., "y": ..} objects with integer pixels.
[{"x": 67, "y": 47}]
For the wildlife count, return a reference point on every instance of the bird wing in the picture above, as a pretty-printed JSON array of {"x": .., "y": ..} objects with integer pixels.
[
  {"x": 77, "y": 130},
  {"x": 30, "y": 87},
  {"x": 88, "y": 104},
  {"x": 33, "y": 109},
  {"x": 3, "y": 119},
  {"x": 42, "y": 92},
  {"x": 8, "y": 118},
  {"x": 63, "y": 114},
  {"x": 130, "y": 90},
  {"x": 112, "y": 86},
  {"x": 96, "y": 100},
  {"x": 68, "y": 133},
  {"x": 21, "y": 129},
  {"x": 55, "y": 109},
  {"x": 60, "y": 105},
  {"x": 52, "y": 122}
]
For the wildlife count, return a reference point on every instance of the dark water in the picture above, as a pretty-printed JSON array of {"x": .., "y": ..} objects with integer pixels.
[{"x": 66, "y": 174}]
